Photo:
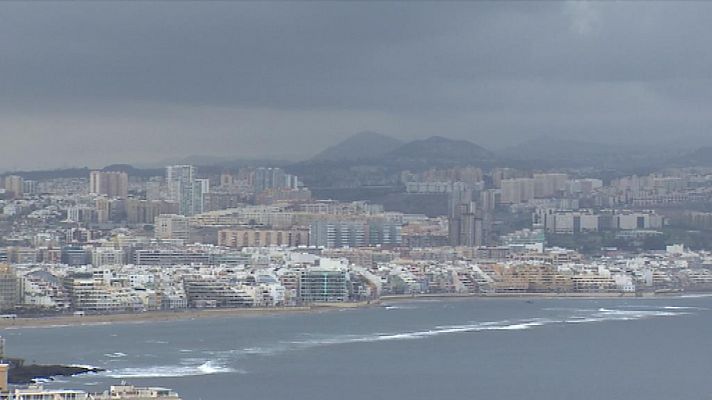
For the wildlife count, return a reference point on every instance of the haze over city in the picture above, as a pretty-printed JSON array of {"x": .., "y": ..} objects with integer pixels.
[
  {"x": 87, "y": 84},
  {"x": 310, "y": 200}
]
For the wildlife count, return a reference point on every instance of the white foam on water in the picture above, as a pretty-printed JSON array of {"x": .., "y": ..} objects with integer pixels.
[
  {"x": 209, "y": 368},
  {"x": 575, "y": 316},
  {"x": 695, "y": 296},
  {"x": 42, "y": 381},
  {"x": 249, "y": 351},
  {"x": 582, "y": 320},
  {"x": 85, "y": 366},
  {"x": 518, "y": 327},
  {"x": 398, "y": 307},
  {"x": 605, "y": 314},
  {"x": 578, "y": 316},
  {"x": 118, "y": 354},
  {"x": 171, "y": 371},
  {"x": 437, "y": 331},
  {"x": 262, "y": 350},
  {"x": 634, "y": 314}
]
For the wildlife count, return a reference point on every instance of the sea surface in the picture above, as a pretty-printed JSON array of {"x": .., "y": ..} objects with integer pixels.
[{"x": 544, "y": 349}]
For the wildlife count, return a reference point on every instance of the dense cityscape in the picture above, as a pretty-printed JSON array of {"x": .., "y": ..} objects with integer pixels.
[
  {"x": 112, "y": 242},
  {"x": 421, "y": 200}
]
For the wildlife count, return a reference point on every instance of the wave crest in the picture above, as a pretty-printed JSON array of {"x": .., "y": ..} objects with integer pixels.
[{"x": 171, "y": 371}]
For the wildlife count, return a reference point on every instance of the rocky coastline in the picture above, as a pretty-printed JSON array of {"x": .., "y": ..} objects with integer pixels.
[{"x": 21, "y": 374}]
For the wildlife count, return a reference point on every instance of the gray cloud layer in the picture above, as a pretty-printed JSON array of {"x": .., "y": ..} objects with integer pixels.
[{"x": 96, "y": 83}]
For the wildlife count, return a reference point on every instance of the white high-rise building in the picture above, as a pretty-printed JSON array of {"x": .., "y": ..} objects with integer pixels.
[
  {"x": 200, "y": 188},
  {"x": 180, "y": 180}
]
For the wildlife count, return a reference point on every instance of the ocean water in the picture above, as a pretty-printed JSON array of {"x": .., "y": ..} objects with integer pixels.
[{"x": 429, "y": 349}]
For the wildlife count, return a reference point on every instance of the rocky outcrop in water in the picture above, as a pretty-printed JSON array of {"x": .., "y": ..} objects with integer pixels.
[{"x": 26, "y": 374}]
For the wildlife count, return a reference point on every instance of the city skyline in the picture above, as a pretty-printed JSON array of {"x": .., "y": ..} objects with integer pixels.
[{"x": 361, "y": 199}]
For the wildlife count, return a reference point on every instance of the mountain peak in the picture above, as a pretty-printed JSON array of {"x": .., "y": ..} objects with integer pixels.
[
  {"x": 362, "y": 145},
  {"x": 442, "y": 150}
]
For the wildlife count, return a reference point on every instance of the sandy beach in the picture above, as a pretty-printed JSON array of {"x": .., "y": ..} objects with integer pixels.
[
  {"x": 151, "y": 316},
  {"x": 154, "y": 316}
]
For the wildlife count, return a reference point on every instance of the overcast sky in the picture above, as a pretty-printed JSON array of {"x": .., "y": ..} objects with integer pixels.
[{"x": 87, "y": 83}]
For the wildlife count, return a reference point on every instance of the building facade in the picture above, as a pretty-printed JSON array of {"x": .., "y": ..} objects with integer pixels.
[
  {"x": 109, "y": 183},
  {"x": 256, "y": 237}
]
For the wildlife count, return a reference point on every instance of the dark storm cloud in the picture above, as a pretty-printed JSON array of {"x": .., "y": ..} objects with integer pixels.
[{"x": 106, "y": 82}]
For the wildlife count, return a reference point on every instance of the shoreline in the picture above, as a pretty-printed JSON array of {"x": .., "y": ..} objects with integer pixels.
[
  {"x": 540, "y": 296},
  {"x": 426, "y": 296},
  {"x": 148, "y": 316},
  {"x": 64, "y": 320},
  {"x": 167, "y": 316}
]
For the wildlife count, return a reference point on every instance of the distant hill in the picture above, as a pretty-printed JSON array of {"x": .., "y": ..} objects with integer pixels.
[
  {"x": 210, "y": 163},
  {"x": 382, "y": 169},
  {"x": 437, "y": 152},
  {"x": 701, "y": 157},
  {"x": 133, "y": 171},
  {"x": 547, "y": 148},
  {"x": 83, "y": 172},
  {"x": 52, "y": 174},
  {"x": 361, "y": 146},
  {"x": 440, "y": 150},
  {"x": 552, "y": 152}
]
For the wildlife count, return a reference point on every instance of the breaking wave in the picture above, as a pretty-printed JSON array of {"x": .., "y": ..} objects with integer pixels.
[
  {"x": 578, "y": 316},
  {"x": 118, "y": 354},
  {"x": 171, "y": 371},
  {"x": 682, "y": 308},
  {"x": 85, "y": 366},
  {"x": 695, "y": 296},
  {"x": 438, "y": 330},
  {"x": 398, "y": 307},
  {"x": 252, "y": 351},
  {"x": 219, "y": 359},
  {"x": 605, "y": 314},
  {"x": 199, "y": 366}
]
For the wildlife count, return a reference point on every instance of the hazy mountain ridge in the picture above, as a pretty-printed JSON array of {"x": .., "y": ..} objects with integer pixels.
[
  {"x": 551, "y": 152},
  {"x": 361, "y": 146},
  {"x": 374, "y": 159},
  {"x": 442, "y": 149},
  {"x": 375, "y": 149},
  {"x": 383, "y": 168},
  {"x": 545, "y": 147},
  {"x": 700, "y": 157}
]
